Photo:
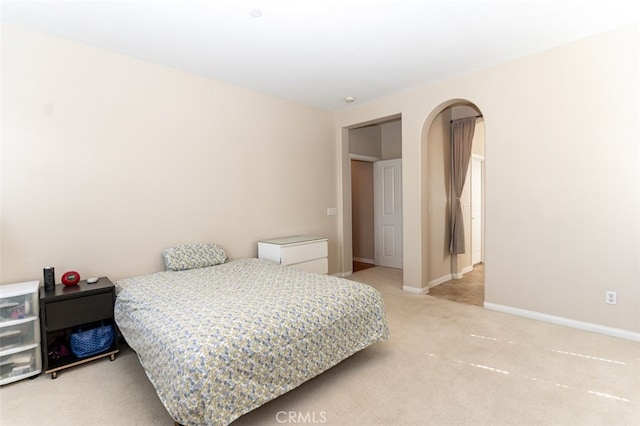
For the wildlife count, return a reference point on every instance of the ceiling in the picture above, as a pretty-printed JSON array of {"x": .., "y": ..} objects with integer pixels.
[{"x": 317, "y": 52}]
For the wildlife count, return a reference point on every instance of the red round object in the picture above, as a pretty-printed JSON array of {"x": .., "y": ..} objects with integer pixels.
[{"x": 70, "y": 278}]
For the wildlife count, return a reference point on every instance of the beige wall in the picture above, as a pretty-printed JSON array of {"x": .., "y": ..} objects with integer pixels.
[
  {"x": 366, "y": 141},
  {"x": 478, "y": 139},
  {"x": 158, "y": 157},
  {"x": 107, "y": 160},
  {"x": 391, "y": 140},
  {"x": 382, "y": 141},
  {"x": 562, "y": 177}
]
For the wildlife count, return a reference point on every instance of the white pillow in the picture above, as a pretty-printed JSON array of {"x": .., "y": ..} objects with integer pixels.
[{"x": 190, "y": 256}]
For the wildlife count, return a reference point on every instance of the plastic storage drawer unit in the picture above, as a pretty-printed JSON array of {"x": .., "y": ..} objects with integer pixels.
[{"x": 19, "y": 332}]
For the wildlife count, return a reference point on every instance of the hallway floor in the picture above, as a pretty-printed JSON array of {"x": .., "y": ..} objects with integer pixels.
[
  {"x": 360, "y": 266},
  {"x": 469, "y": 289}
]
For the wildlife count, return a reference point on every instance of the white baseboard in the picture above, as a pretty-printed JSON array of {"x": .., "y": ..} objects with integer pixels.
[
  {"x": 363, "y": 260},
  {"x": 415, "y": 290},
  {"x": 453, "y": 275},
  {"x": 458, "y": 275},
  {"x": 440, "y": 280},
  {"x": 595, "y": 328}
]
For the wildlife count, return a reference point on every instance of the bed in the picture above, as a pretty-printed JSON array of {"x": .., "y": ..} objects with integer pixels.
[{"x": 218, "y": 341}]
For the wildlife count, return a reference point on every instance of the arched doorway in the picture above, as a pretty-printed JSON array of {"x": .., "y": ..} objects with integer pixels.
[{"x": 454, "y": 277}]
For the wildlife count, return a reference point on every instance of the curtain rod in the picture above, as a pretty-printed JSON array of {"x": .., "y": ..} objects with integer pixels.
[{"x": 477, "y": 116}]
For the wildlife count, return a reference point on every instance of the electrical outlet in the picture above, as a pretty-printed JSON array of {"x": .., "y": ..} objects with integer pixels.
[{"x": 611, "y": 297}]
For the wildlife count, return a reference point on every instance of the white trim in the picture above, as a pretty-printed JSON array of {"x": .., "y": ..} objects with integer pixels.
[
  {"x": 360, "y": 157},
  {"x": 363, "y": 260},
  {"x": 595, "y": 328},
  {"x": 458, "y": 275},
  {"x": 415, "y": 290},
  {"x": 440, "y": 280},
  {"x": 343, "y": 274},
  {"x": 477, "y": 157}
]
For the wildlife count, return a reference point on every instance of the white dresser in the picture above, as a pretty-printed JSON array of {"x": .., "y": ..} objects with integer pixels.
[{"x": 301, "y": 251}]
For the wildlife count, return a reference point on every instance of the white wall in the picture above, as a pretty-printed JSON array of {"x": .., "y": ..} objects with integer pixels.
[
  {"x": 562, "y": 176},
  {"x": 107, "y": 160}
]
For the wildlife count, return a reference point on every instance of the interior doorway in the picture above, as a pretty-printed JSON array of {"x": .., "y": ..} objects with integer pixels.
[
  {"x": 362, "y": 210},
  {"x": 454, "y": 277},
  {"x": 369, "y": 143}
]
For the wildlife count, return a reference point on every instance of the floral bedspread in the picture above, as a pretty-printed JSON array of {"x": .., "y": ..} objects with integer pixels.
[{"x": 219, "y": 341}]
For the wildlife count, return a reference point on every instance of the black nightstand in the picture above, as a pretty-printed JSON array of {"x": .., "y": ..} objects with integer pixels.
[{"x": 65, "y": 308}]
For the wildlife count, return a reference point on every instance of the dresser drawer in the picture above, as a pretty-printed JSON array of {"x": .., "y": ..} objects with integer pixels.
[
  {"x": 20, "y": 363},
  {"x": 319, "y": 266},
  {"x": 19, "y": 333},
  {"x": 80, "y": 310},
  {"x": 303, "y": 252},
  {"x": 19, "y": 306}
]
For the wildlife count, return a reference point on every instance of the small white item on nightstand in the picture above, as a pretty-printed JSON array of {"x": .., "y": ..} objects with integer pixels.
[{"x": 92, "y": 280}]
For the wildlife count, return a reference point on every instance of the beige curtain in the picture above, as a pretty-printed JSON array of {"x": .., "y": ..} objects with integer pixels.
[{"x": 461, "y": 140}]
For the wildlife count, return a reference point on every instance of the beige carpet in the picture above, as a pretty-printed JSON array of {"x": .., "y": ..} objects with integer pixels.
[
  {"x": 469, "y": 289},
  {"x": 445, "y": 364}
]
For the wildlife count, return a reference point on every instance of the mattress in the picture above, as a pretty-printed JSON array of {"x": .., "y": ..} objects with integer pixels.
[{"x": 219, "y": 341}]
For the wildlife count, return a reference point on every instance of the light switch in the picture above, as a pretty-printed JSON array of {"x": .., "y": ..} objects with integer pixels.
[{"x": 332, "y": 211}]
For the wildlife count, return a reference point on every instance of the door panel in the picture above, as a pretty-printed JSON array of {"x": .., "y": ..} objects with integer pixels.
[
  {"x": 388, "y": 212},
  {"x": 389, "y": 248},
  {"x": 388, "y": 185}
]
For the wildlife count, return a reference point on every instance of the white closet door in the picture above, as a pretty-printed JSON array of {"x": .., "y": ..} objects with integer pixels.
[{"x": 387, "y": 200}]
